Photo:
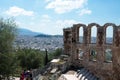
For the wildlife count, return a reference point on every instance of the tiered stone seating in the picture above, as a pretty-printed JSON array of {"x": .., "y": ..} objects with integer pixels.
[{"x": 84, "y": 74}]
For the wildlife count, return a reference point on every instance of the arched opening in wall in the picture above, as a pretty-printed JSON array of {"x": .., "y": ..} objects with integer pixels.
[
  {"x": 80, "y": 54},
  {"x": 109, "y": 35},
  {"x": 94, "y": 34},
  {"x": 93, "y": 55},
  {"x": 108, "y": 55},
  {"x": 81, "y": 35}
]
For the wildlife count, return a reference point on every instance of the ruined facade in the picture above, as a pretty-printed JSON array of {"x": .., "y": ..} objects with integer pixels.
[{"x": 102, "y": 58}]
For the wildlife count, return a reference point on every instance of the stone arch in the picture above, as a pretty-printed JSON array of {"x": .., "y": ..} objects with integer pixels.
[
  {"x": 81, "y": 34},
  {"x": 78, "y": 30},
  {"x": 89, "y": 30},
  {"x": 105, "y": 28}
]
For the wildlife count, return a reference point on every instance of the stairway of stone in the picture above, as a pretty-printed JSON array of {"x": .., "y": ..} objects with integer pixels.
[{"x": 84, "y": 74}]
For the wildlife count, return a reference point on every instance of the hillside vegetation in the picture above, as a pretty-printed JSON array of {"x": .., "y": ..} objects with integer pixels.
[{"x": 14, "y": 61}]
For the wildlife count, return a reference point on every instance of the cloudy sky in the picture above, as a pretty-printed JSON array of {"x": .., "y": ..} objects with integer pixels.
[{"x": 51, "y": 16}]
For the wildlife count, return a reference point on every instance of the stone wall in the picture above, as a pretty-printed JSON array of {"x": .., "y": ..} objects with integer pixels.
[{"x": 94, "y": 54}]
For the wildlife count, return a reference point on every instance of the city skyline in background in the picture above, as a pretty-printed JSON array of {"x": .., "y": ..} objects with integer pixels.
[{"x": 51, "y": 16}]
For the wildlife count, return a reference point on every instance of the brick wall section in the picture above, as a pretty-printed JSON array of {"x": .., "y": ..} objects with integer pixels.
[{"x": 104, "y": 70}]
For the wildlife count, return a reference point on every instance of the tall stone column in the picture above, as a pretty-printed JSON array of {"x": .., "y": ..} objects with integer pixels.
[
  {"x": 73, "y": 45},
  {"x": 100, "y": 60},
  {"x": 116, "y": 63},
  {"x": 86, "y": 47}
]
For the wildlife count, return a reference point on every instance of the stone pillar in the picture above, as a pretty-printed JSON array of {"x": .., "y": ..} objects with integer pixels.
[
  {"x": 73, "y": 52},
  {"x": 100, "y": 59},
  {"x": 116, "y": 57},
  {"x": 116, "y": 63},
  {"x": 86, "y": 47},
  {"x": 86, "y": 56}
]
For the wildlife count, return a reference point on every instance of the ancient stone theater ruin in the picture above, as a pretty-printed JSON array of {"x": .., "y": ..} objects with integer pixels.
[{"x": 99, "y": 54}]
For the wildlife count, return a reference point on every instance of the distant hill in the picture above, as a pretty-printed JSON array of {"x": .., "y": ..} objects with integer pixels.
[
  {"x": 45, "y": 35},
  {"x": 58, "y": 35},
  {"x": 41, "y": 35},
  {"x": 26, "y": 32}
]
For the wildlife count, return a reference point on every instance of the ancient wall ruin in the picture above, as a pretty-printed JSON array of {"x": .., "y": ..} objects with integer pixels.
[{"x": 101, "y": 56}]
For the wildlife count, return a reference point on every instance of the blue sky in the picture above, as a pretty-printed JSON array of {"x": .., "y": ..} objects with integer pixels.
[{"x": 51, "y": 16}]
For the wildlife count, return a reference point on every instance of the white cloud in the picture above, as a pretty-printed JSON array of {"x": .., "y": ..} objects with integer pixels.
[
  {"x": 16, "y": 11},
  {"x": 65, "y": 23},
  {"x": 47, "y": 24},
  {"x": 85, "y": 11},
  {"x": 18, "y": 23},
  {"x": 45, "y": 16},
  {"x": 57, "y": 23},
  {"x": 62, "y": 6},
  {"x": 50, "y": 26},
  {"x": 47, "y": 0},
  {"x": 55, "y": 27},
  {"x": 32, "y": 23}
]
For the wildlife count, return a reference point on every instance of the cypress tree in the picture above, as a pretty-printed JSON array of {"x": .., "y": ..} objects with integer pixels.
[{"x": 46, "y": 57}]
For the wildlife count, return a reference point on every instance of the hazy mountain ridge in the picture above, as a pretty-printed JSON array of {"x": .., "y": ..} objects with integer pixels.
[
  {"x": 48, "y": 35},
  {"x": 26, "y": 32},
  {"x": 23, "y": 32}
]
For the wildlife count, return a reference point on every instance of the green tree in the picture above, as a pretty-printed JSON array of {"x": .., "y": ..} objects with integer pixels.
[
  {"x": 55, "y": 54},
  {"x": 46, "y": 57},
  {"x": 30, "y": 59},
  {"x": 7, "y": 35}
]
